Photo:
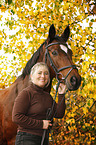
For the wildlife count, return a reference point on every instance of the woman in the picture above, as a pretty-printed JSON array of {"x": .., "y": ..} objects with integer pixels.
[{"x": 31, "y": 107}]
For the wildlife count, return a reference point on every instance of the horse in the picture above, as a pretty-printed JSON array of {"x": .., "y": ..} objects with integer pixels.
[{"x": 55, "y": 52}]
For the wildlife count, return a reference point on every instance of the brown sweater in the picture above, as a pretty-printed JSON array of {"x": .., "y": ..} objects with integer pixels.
[{"x": 30, "y": 108}]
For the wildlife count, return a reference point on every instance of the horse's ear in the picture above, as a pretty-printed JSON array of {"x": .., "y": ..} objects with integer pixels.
[
  {"x": 66, "y": 33},
  {"x": 52, "y": 32}
]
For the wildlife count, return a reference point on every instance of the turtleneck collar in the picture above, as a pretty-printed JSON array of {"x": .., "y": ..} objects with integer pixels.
[{"x": 36, "y": 87}]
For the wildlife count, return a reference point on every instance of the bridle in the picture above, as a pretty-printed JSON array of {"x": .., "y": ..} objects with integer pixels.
[{"x": 57, "y": 71}]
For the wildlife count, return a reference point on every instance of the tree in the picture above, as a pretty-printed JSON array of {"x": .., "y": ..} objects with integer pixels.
[{"x": 24, "y": 30}]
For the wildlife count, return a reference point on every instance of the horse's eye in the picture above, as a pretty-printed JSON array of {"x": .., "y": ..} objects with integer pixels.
[{"x": 55, "y": 52}]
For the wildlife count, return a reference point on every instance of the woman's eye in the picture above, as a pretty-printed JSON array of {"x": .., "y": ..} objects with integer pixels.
[
  {"x": 55, "y": 52},
  {"x": 39, "y": 73},
  {"x": 46, "y": 73}
]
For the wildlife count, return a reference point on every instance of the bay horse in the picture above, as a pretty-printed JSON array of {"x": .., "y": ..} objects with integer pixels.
[{"x": 55, "y": 52}]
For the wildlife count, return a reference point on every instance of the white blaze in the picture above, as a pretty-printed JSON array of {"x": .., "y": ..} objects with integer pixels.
[{"x": 64, "y": 48}]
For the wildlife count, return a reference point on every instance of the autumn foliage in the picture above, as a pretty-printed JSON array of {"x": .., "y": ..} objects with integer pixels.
[{"x": 24, "y": 27}]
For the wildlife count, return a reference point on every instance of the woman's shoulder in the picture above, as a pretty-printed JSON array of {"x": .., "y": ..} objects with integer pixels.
[{"x": 28, "y": 88}]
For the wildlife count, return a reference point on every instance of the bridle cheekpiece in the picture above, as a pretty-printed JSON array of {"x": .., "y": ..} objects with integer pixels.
[{"x": 57, "y": 71}]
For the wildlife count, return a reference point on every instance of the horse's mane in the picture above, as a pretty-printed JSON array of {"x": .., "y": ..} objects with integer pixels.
[
  {"x": 31, "y": 62},
  {"x": 34, "y": 58}
]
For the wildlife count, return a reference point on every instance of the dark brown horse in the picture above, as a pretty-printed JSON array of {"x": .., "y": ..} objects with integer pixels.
[{"x": 55, "y": 52}]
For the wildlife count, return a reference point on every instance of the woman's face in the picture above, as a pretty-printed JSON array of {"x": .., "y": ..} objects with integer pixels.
[{"x": 40, "y": 77}]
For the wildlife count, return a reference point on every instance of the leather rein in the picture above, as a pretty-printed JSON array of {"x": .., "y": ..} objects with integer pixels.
[{"x": 57, "y": 72}]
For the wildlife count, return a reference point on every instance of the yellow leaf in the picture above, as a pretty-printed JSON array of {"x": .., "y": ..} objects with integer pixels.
[
  {"x": 85, "y": 110},
  {"x": 94, "y": 96}
]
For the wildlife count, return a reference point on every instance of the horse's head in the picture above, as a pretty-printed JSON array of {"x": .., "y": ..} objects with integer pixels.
[
  {"x": 55, "y": 52},
  {"x": 59, "y": 58}
]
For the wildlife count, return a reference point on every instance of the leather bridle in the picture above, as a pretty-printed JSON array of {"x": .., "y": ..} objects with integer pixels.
[{"x": 57, "y": 71}]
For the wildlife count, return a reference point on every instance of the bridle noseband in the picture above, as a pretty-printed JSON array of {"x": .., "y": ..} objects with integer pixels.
[{"x": 57, "y": 71}]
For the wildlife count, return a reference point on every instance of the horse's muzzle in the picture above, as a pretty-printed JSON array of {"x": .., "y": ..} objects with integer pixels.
[{"x": 73, "y": 83}]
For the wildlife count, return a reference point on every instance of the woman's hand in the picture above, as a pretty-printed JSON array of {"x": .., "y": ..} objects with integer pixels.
[
  {"x": 46, "y": 124},
  {"x": 62, "y": 88}
]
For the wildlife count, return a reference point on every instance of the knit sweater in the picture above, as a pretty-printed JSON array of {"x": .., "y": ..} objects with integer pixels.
[{"x": 30, "y": 109}]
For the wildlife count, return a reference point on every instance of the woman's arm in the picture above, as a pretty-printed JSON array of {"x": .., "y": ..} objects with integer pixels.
[
  {"x": 19, "y": 113},
  {"x": 60, "y": 106}
]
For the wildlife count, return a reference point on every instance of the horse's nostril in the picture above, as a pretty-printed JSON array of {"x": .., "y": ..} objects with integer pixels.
[{"x": 73, "y": 80}]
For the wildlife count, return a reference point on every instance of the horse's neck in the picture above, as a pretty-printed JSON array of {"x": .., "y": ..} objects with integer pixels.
[{"x": 22, "y": 83}]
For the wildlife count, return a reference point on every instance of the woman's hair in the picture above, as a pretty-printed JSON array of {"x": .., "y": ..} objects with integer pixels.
[{"x": 36, "y": 66}]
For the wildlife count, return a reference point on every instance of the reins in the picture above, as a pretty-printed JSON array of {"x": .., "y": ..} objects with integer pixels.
[{"x": 50, "y": 110}]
